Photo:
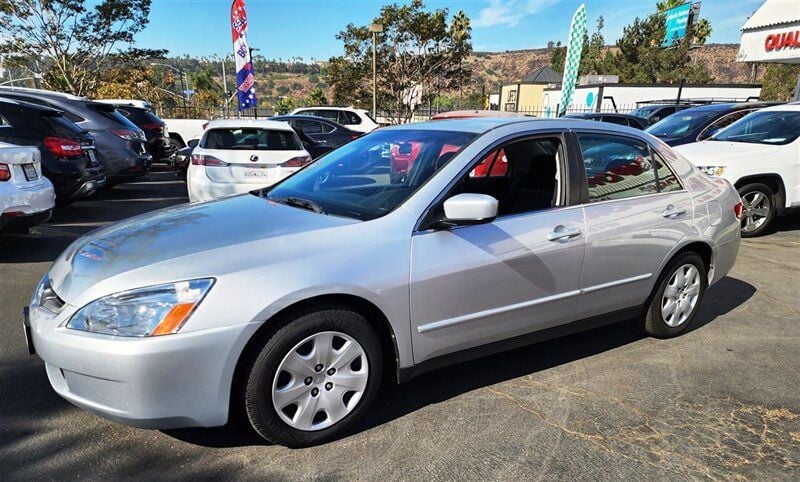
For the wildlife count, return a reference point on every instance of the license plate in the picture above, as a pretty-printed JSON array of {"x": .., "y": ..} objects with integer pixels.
[
  {"x": 92, "y": 157},
  {"x": 30, "y": 172},
  {"x": 256, "y": 173},
  {"x": 26, "y": 326}
]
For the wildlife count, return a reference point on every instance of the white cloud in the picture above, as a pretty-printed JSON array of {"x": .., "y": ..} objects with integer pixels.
[{"x": 509, "y": 12}]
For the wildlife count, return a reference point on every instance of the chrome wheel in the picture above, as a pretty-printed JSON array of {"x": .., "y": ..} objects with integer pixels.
[
  {"x": 681, "y": 295},
  {"x": 320, "y": 381},
  {"x": 756, "y": 210}
]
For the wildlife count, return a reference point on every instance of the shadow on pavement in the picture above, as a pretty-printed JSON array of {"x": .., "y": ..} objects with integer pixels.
[{"x": 395, "y": 401}]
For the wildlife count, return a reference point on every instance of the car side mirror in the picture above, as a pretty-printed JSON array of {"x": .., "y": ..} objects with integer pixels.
[
  {"x": 466, "y": 210},
  {"x": 193, "y": 143}
]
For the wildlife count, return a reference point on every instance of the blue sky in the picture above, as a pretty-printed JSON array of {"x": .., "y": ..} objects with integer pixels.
[{"x": 285, "y": 29}]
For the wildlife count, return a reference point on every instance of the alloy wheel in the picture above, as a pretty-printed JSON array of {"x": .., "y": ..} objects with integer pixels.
[
  {"x": 320, "y": 381},
  {"x": 756, "y": 210},
  {"x": 681, "y": 295}
]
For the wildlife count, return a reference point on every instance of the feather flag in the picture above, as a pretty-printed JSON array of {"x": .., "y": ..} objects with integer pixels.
[
  {"x": 245, "y": 80},
  {"x": 577, "y": 31}
]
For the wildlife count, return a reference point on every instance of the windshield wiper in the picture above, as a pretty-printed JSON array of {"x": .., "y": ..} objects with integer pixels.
[{"x": 300, "y": 203}]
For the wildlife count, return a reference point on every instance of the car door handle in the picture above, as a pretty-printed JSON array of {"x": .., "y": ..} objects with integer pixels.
[
  {"x": 562, "y": 233},
  {"x": 673, "y": 212}
]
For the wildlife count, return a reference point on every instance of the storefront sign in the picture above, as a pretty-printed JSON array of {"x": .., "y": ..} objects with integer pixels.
[{"x": 778, "y": 41}]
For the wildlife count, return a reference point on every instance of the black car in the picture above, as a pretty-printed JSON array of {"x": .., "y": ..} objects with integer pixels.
[
  {"x": 180, "y": 161},
  {"x": 155, "y": 131},
  {"x": 120, "y": 144},
  {"x": 324, "y": 131},
  {"x": 655, "y": 112},
  {"x": 68, "y": 152},
  {"x": 613, "y": 118},
  {"x": 701, "y": 122}
]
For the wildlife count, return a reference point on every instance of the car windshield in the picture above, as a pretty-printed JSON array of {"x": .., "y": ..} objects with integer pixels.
[
  {"x": 770, "y": 127},
  {"x": 681, "y": 123},
  {"x": 372, "y": 175},
  {"x": 645, "y": 111},
  {"x": 251, "y": 139}
]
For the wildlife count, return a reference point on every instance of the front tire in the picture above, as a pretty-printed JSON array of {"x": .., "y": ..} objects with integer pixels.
[
  {"x": 314, "y": 378},
  {"x": 677, "y": 296},
  {"x": 759, "y": 209}
]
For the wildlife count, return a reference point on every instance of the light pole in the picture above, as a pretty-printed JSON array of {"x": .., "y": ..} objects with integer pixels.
[
  {"x": 375, "y": 28},
  {"x": 183, "y": 81}
]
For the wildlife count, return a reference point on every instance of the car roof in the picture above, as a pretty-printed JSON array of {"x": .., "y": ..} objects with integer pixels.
[
  {"x": 28, "y": 105},
  {"x": 244, "y": 123},
  {"x": 480, "y": 125},
  {"x": 792, "y": 106},
  {"x": 329, "y": 107},
  {"x": 39, "y": 93}
]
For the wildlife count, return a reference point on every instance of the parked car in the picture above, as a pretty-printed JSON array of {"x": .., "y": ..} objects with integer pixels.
[
  {"x": 472, "y": 113},
  {"x": 67, "y": 152},
  {"x": 159, "y": 144},
  {"x": 180, "y": 162},
  {"x": 183, "y": 130},
  {"x": 291, "y": 303},
  {"x": 701, "y": 122},
  {"x": 760, "y": 155},
  {"x": 26, "y": 196},
  {"x": 612, "y": 117},
  {"x": 237, "y": 156},
  {"x": 120, "y": 145},
  {"x": 655, "y": 112},
  {"x": 324, "y": 131},
  {"x": 314, "y": 148},
  {"x": 358, "y": 120}
]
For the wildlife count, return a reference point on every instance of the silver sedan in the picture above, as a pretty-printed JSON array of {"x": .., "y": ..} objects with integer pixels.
[{"x": 408, "y": 249}]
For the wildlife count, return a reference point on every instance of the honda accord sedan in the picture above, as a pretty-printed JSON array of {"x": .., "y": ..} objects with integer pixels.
[{"x": 291, "y": 303}]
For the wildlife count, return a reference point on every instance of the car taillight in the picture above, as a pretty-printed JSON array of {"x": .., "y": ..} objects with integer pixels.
[
  {"x": 5, "y": 172},
  {"x": 127, "y": 134},
  {"x": 204, "y": 160},
  {"x": 298, "y": 161},
  {"x": 63, "y": 147},
  {"x": 738, "y": 210},
  {"x": 355, "y": 136},
  {"x": 153, "y": 126}
]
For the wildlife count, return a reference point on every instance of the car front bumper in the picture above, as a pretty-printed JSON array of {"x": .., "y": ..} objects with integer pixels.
[{"x": 172, "y": 381}]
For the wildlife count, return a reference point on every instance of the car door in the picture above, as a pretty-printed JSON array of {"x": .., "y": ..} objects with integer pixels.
[
  {"x": 473, "y": 285},
  {"x": 636, "y": 212}
]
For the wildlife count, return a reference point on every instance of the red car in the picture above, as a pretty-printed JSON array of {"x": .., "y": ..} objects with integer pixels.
[{"x": 402, "y": 157}]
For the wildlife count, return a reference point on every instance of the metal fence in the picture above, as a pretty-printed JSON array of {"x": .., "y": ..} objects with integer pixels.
[{"x": 222, "y": 112}]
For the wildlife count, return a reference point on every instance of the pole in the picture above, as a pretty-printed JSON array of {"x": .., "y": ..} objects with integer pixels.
[
  {"x": 680, "y": 91},
  {"x": 374, "y": 77},
  {"x": 225, "y": 85},
  {"x": 183, "y": 94}
]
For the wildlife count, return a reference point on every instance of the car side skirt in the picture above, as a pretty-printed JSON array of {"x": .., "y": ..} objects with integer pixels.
[{"x": 407, "y": 373}]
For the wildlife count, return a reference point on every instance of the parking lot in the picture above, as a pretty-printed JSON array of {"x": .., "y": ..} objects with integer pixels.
[{"x": 720, "y": 402}]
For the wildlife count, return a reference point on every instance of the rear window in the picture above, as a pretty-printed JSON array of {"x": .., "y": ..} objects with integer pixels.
[
  {"x": 110, "y": 112},
  {"x": 58, "y": 125},
  {"x": 251, "y": 139},
  {"x": 140, "y": 117}
]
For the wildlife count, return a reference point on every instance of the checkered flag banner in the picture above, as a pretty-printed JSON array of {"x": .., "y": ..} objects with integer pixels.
[
  {"x": 577, "y": 32},
  {"x": 245, "y": 80}
]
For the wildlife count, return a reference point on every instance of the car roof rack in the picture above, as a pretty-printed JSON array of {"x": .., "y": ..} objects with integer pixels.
[{"x": 698, "y": 101}]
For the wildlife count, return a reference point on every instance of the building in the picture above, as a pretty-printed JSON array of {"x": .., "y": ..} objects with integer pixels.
[
  {"x": 528, "y": 93},
  {"x": 772, "y": 34}
]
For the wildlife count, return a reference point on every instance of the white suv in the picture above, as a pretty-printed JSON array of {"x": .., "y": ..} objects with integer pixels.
[
  {"x": 760, "y": 155},
  {"x": 354, "y": 119}
]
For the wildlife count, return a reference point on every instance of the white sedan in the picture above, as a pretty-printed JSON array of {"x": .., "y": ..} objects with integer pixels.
[
  {"x": 26, "y": 197},
  {"x": 239, "y": 156}
]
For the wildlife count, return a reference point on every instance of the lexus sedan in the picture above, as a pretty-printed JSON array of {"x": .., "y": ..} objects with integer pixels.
[{"x": 289, "y": 304}]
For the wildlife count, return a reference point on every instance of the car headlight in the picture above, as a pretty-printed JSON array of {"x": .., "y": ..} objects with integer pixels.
[
  {"x": 712, "y": 170},
  {"x": 151, "y": 311}
]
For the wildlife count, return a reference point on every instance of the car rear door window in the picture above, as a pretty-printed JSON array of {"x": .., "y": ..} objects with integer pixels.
[
  {"x": 616, "y": 167},
  {"x": 349, "y": 118}
]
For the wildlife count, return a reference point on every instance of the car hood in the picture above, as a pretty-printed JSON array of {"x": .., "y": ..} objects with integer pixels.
[
  {"x": 713, "y": 153},
  {"x": 185, "y": 242}
]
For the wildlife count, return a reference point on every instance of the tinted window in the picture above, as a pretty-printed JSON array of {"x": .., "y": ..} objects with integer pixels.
[
  {"x": 615, "y": 120},
  {"x": 140, "y": 117},
  {"x": 374, "y": 174},
  {"x": 23, "y": 122},
  {"x": 616, "y": 167},
  {"x": 109, "y": 112},
  {"x": 251, "y": 139},
  {"x": 327, "y": 114},
  {"x": 312, "y": 127},
  {"x": 349, "y": 117},
  {"x": 682, "y": 123},
  {"x": 770, "y": 127},
  {"x": 59, "y": 125},
  {"x": 667, "y": 180}
]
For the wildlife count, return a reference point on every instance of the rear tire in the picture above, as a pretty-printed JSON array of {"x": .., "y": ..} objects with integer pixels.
[
  {"x": 305, "y": 368},
  {"x": 677, "y": 296},
  {"x": 759, "y": 209}
]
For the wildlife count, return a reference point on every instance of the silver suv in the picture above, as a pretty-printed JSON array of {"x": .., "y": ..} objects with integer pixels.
[{"x": 291, "y": 303}]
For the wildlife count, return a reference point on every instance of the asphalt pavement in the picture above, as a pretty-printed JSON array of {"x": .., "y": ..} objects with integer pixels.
[{"x": 720, "y": 402}]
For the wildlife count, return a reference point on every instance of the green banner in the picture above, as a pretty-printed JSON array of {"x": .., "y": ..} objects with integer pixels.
[{"x": 577, "y": 32}]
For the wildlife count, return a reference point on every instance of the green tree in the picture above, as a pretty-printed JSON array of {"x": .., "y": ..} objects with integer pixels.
[
  {"x": 73, "y": 43},
  {"x": 417, "y": 49},
  {"x": 779, "y": 82},
  {"x": 284, "y": 105},
  {"x": 558, "y": 55},
  {"x": 317, "y": 97}
]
